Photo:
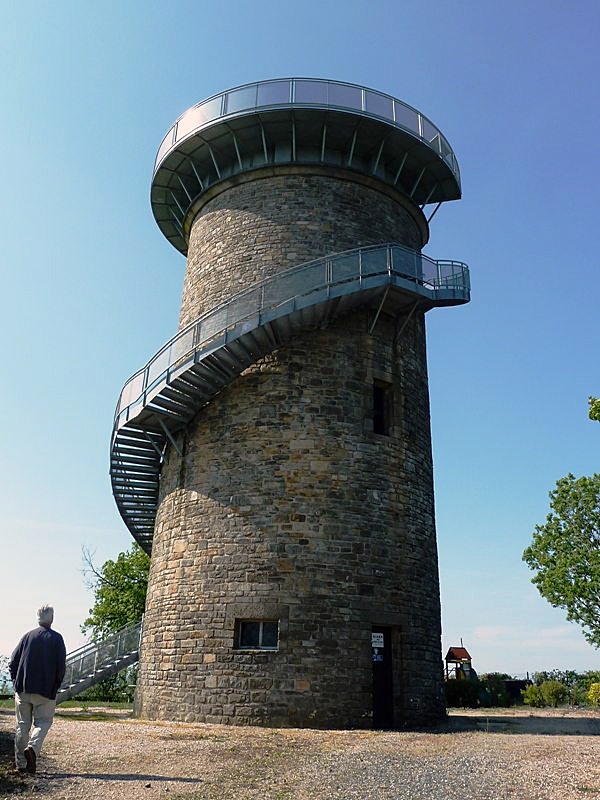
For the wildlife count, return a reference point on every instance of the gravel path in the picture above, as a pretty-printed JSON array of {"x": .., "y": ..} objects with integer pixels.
[{"x": 110, "y": 755}]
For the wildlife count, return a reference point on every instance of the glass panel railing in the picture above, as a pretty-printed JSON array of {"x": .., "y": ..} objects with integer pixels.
[
  {"x": 344, "y": 267},
  {"x": 428, "y": 273},
  {"x": 452, "y": 275},
  {"x": 406, "y": 117},
  {"x": 430, "y": 133},
  {"x": 445, "y": 149},
  {"x": 165, "y": 146},
  {"x": 273, "y": 93},
  {"x": 344, "y": 95},
  {"x": 287, "y": 288},
  {"x": 374, "y": 262},
  {"x": 405, "y": 262},
  {"x": 379, "y": 104},
  {"x": 314, "y": 277},
  {"x": 197, "y": 116},
  {"x": 310, "y": 92},
  {"x": 240, "y": 99}
]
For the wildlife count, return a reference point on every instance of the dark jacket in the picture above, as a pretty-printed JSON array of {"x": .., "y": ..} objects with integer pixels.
[{"x": 37, "y": 664}]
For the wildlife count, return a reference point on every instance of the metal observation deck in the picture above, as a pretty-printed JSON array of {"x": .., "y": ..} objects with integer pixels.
[
  {"x": 210, "y": 353},
  {"x": 295, "y": 122}
]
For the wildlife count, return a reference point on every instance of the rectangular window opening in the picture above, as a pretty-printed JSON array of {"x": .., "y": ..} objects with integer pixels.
[
  {"x": 257, "y": 634},
  {"x": 382, "y": 407}
]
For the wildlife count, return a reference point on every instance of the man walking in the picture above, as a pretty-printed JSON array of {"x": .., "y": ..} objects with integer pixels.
[{"x": 37, "y": 668}]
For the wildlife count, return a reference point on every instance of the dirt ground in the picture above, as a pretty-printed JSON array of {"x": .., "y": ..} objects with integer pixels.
[{"x": 494, "y": 754}]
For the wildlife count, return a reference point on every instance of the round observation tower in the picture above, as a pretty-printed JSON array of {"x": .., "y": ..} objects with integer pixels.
[{"x": 275, "y": 455}]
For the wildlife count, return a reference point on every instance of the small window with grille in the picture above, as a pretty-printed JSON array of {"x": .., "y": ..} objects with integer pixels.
[{"x": 257, "y": 634}]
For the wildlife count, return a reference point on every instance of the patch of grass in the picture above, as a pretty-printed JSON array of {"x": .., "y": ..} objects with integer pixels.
[
  {"x": 93, "y": 711},
  {"x": 195, "y": 736},
  {"x": 94, "y": 704},
  {"x": 87, "y": 716}
]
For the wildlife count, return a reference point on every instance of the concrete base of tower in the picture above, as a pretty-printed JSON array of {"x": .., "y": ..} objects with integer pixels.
[{"x": 294, "y": 566}]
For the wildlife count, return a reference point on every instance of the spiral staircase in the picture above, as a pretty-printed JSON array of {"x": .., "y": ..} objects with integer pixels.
[{"x": 203, "y": 358}]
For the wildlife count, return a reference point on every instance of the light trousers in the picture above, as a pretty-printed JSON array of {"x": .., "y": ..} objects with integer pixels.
[{"x": 31, "y": 709}]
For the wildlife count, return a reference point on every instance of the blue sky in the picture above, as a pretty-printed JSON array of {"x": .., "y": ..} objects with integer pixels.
[{"x": 91, "y": 289}]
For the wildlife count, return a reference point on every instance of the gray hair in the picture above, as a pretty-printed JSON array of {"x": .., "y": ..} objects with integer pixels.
[{"x": 45, "y": 615}]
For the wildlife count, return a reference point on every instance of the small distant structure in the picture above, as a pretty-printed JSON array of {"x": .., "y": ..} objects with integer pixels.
[{"x": 458, "y": 664}]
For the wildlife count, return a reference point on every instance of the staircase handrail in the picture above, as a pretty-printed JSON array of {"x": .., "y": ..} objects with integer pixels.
[
  {"x": 93, "y": 644},
  {"x": 128, "y": 635},
  {"x": 372, "y": 260}
]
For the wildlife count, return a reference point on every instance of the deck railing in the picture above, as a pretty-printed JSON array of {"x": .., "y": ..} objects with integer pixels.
[{"x": 308, "y": 93}]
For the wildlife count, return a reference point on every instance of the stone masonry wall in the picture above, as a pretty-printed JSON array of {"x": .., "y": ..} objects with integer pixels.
[
  {"x": 286, "y": 505},
  {"x": 257, "y": 229}
]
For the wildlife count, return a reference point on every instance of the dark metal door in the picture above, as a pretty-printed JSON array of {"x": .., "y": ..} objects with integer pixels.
[{"x": 383, "y": 700}]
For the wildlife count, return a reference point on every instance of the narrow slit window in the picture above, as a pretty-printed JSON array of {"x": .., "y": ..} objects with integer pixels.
[{"x": 382, "y": 407}]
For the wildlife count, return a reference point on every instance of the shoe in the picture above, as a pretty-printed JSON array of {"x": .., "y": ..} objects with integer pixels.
[
  {"x": 20, "y": 770},
  {"x": 31, "y": 759}
]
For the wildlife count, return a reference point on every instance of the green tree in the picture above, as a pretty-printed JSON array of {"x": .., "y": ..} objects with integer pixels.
[
  {"x": 532, "y": 696},
  {"x": 594, "y": 408},
  {"x": 119, "y": 591},
  {"x": 117, "y": 688},
  {"x": 553, "y": 692},
  {"x": 565, "y": 553}
]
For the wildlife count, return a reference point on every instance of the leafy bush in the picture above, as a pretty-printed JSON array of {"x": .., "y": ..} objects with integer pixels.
[
  {"x": 487, "y": 691},
  {"x": 492, "y": 690},
  {"x": 532, "y": 696},
  {"x": 115, "y": 689},
  {"x": 549, "y": 688},
  {"x": 554, "y": 692},
  {"x": 462, "y": 693},
  {"x": 576, "y": 683},
  {"x": 593, "y": 695},
  {"x": 548, "y": 693}
]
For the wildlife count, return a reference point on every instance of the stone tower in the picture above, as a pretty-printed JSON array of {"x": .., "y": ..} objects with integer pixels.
[{"x": 275, "y": 455}]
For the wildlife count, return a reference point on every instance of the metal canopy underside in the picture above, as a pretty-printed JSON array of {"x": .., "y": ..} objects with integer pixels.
[
  {"x": 191, "y": 369},
  {"x": 378, "y": 137}
]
